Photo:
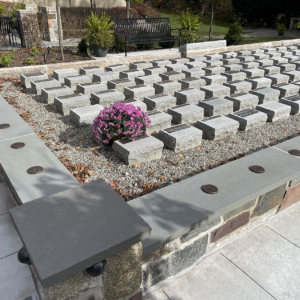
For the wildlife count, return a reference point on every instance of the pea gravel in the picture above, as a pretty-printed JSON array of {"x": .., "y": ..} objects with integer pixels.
[{"x": 65, "y": 139}]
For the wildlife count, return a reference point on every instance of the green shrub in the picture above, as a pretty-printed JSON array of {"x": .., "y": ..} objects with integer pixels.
[
  {"x": 82, "y": 46},
  {"x": 5, "y": 60},
  {"x": 2, "y": 10},
  {"x": 190, "y": 27},
  {"x": 147, "y": 46},
  {"x": 74, "y": 52},
  {"x": 234, "y": 35},
  {"x": 281, "y": 29},
  {"x": 35, "y": 51},
  {"x": 166, "y": 45},
  {"x": 31, "y": 61}
]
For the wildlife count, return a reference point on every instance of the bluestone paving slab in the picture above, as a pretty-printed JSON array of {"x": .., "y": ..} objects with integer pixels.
[
  {"x": 234, "y": 75},
  {"x": 88, "y": 88},
  {"x": 139, "y": 65},
  {"x": 274, "y": 265},
  {"x": 88, "y": 212},
  {"x": 253, "y": 72},
  {"x": 278, "y": 78},
  {"x": 18, "y": 127},
  {"x": 192, "y": 96},
  {"x": 186, "y": 113},
  {"x": 10, "y": 240},
  {"x": 147, "y": 79},
  {"x": 159, "y": 120},
  {"x": 172, "y": 75},
  {"x": 106, "y": 98},
  {"x": 136, "y": 103},
  {"x": 238, "y": 86},
  {"x": 117, "y": 68},
  {"x": 214, "y": 79},
  {"x": 243, "y": 101},
  {"x": 249, "y": 118},
  {"x": 72, "y": 81},
  {"x": 65, "y": 103},
  {"x": 275, "y": 111},
  {"x": 216, "y": 106},
  {"x": 27, "y": 78},
  {"x": 83, "y": 116},
  {"x": 293, "y": 75},
  {"x": 286, "y": 90},
  {"x": 155, "y": 70},
  {"x": 119, "y": 84},
  {"x": 176, "y": 67},
  {"x": 287, "y": 224},
  {"x": 16, "y": 279},
  {"x": 214, "y": 70},
  {"x": 48, "y": 94},
  {"x": 235, "y": 67},
  {"x": 215, "y": 90},
  {"x": 177, "y": 209},
  {"x": 5, "y": 200},
  {"x": 220, "y": 279},
  {"x": 62, "y": 73},
  {"x": 90, "y": 70},
  {"x": 38, "y": 85},
  {"x": 192, "y": 82},
  {"x": 15, "y": 163},
  {"x": 168, "y": 87},
  {"x": 160, "y": 101},
  {"x": 160, "y": 62},
  {"x": 259, "y": 82},
  {"x": 193, "y": 73},
  {"x": 103, "y": 77},
  {"x": 266, "y": 95},
  {"x": 138, "y": 91},
  {"x": 287, "y": 67}
]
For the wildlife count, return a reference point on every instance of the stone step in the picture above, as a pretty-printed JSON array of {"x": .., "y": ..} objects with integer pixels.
[
  {"x": 62, "y": 73},
  {"x": 181, "y": 137},
  {"x": 160, "y": 101},
  {"x": 48, "y": 94},
  {"x": 93, "y": 87},
  {"x": 106, "y": 98},
  {"x": 275, "y": 111},
  {"x": 84, "y": 116},
  {"x": 190, "y": 95},
  {"x": 216, "y": 106},
  {"x": 27, "y": 78},
  {"x": 38, "y": 85},
  {"x": 73, "y": 81},
  {"x": 138, "y": 92},
  {"x": 89, "y": 71},
  {"x": 159, "y": 120},
  {"x": 186, "y": 113},
  {"x": 65, "y": 103}
]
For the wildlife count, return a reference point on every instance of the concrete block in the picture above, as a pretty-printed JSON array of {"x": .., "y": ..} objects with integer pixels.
[
  {"x": 196, "y": 65},
  {"x": 160, "y": 101},
  {"x": 83, "y": 116},
  {"x": 26, "y": 79},
  {"x": 181, "y": 137},
  {"x": 270, "y": 70},
  {"x": 186, "y": 113},
  {"x": 254, "y": 72},
  {"x": 245, "y": 58},
  {"x": 297, "y": 63},
  {"x": 106, "y": 98},
  {"x": 265, "y": 62},
  {"x": 215, "y": 90},
  {"x": 213, "y": 63},
  {"x": 214, "y": 70},
  {"x": 297, "y": 83},
  {"x": 244, "y": 52},
  {"x": 287, "y": 67},
  {"x": 160, "y": 62},
  {"x": 48, "y": 94},
  {"x": 38, "y": 85},
  {"x": 72, "y": 81},
  {"x": 293, "y": 102},
  {"x": 293, "y": 75},
  {"x": 217, "y": 127},
  {"x": 278, "y": 78},
  {"x": 291, "y": 57},
  {"x": 136, "y": 103},
  {"x": 261, "y": 56},
  {"x": 249, "y": 118},
  {"x": 193, "y": 73},
  {"x": 214, "y": 56},
  {"x": 159, "y": 120},
  {"x": 256, "y": 51},
  {"x": 192, "y": 82},
  {"x": 171, "y": 75},
  {"x": 250, "y": 65},
  {"x": 93, "y": 87},
  {"x": 62, "y": 73},
  {"x": 103, "y": 77},
  {"x": 281, "y": 48},
  {"x": 269, "y": 50},
  {"x": 89, "y": 71},
  {"x": 197, "y": 58},
  {"x": 266, "y": 95},
  {"x": 230, "y": 61},
  {"x": 147, "y": 79},
  {"x": 274, "y": 55},
  {"x": 216, "y": 106},
  {"x": 286, "y": 90},
  {"x": 238, "y": 86},
  {"x": 119, "y": 84},
  {"x": 138, "y": 91},
  {"x": 117, "y": 68},
  {"x": 143, "y": 149},
  {"x": 275, "y": 111},
  {"x": 131, "y": 74},
  {"x": 176, "y": 67},
  {"x": 235, "y": 67},
  {"x": 191, "y": 96},
  {"x": 243, "y": 101},
  {"x": 234, "y": 75},
  {"x": 214, "y": 79},
  {"x": 285, "y": 53},
  {"x": 279, "y": 60},
  {"x": 180, "y": 60},
  {"x": 140, "y": 65},
  {"x": 168, "y": 87},
  {"x": 65, "y": 103},
  {"x": 259, "y": 82},
  {"x": 228, "y": 54},
  {"x": 155, "y": 70}
]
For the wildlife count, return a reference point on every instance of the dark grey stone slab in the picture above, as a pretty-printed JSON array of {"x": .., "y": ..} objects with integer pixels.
[
  {"x": 70, "y": 231},
  {"x": 15, "y": 163},
  {"x": 289, "y": 145},
  {"x": 174, "y": 210}
]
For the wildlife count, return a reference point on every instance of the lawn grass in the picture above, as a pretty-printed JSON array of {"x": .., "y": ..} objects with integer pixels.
[{"x": 252, "y": 39}]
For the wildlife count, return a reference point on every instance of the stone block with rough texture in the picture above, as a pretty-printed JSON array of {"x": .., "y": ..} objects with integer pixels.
[
  {"x": 245, "y": 58},
  {"x": 197, "y": 58},
  {"x": 131, "y": 74},
  {"x": 238, "y": 86},
  {"x": 260, "y": 56},
  {"x": 89, "y": 71},
  {"x": 216, "y": 106},
  {"x": 215, "y": 90},
  {"x": 106, "y": 98},
  {"x": 181, "y": 60},
  {"x": 217, "y": 127},
  {"x": 93, "y": 87},
  {"x": 83, "y": 116},
  {"x": 138, "y": 91},
  {"x": 62, "y": 73},
  {"x": 249, "y": 118},
  {"x": 181, "y": 137},
  {"x": 286, "y": 90},
  {"x": 140, "y": 65},
  {"x": 287, "y": 67},
  {"x": 234, "y": 75},
  {"x": 293, "y": 102},
  {"x": 144, "y": 149},
  {"x": 48, "y": 94},
  {"x": 160, "y": 62},
  {"x": 73, "y": 81},
  {"x": 147, "y": 79},
  {"x": 270, "y": 70},
  {"x": 103, "y": 77},
  {"x": 265, "y": 62},
  {"x": 278, "y": 78},
  {"x": 235, "y": 67},
  {"x": 192, "y": 96},
  {"x": 297, "y": 63},
  {"x": 269, "y": 50},
  {"x": 117, "y": 68},
  {"x": 213, "y": 56},
  {"x": 172, "y": 75},
  {"x": 213, "y": 63},
  {"x": 193, "y": 73},
  {"x": 293, "y": 75},
  {"x": 244, "y": 52},
  {"x": 275, "y": 111},
  {"x": 136, "y": 103},
  {"x": 186, "y": 113},
  {"x": 195, "y": 64},
  {"x": 176, "y": 67},
  {"x": 266, "y": 95},
  {"x": 155, "y": 70},
  {"x": 38, "y": 85},
  {"x": 192, "y": 82},
  {"x": 159, "y": 120},
  {"x": 65, "y": 103},
  {"x": 191, "y": 49},
  {"x": 250, "y": 65},
  {"x": 279, "y": 60},
  {"x": 274, "y": 55},
  {"x": 119, "y": 84},
  {"x": 160, "y": 101},
  {"x": 243, "y": 101},
  {"x": 168, "y": 87},
  {"x": 230, "y": 61},
  {"x": 214, "y": 70},
  {"x": 254, "y": 72},
  {"x": 26, "y": 79},
  {"x": 214, "y": 79},
  {"x": 259, "y": 82}
]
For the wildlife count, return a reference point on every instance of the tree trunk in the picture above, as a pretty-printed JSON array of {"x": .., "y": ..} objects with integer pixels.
[
  {"x": 127, "y": 8},
  {"x": 59, "y": 30},
  {"x": 212, "y": 19}
]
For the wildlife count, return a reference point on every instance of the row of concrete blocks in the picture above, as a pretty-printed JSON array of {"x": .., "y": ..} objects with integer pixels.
[{"x": 183, "y": 137}]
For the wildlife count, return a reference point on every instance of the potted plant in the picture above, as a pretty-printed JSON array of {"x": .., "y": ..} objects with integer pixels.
[
  {"x": 281, "y": 29},
  {"x": 100, "y": 35},
  {"x": 120, "y": 121}
]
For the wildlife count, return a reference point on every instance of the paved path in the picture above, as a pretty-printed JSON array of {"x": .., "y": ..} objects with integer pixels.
[
  {"x": 16, "y": 282},
  {"x": 264, "y": 264}
]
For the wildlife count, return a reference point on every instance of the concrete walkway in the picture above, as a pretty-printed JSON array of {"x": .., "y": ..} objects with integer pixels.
[
  {"x": 263, "y": 264},
  {"x": 16, "y": 282}
]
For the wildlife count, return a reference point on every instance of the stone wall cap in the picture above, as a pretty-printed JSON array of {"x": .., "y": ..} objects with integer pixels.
[{"x": 70, "y": 231}]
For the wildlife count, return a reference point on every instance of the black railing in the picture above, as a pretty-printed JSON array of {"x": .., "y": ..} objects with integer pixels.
[{"x": 8, "y": 29}]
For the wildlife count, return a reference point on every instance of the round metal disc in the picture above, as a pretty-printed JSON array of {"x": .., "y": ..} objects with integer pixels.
[
  {"x": 295, "y": 152},
  {"x": 209, "y": 189},
  {"x": 17, "y": 145},
  {"x": 257, "y": 169},
  {"x": 4, "y": 126},
  {"x": 35, "y": 170}
]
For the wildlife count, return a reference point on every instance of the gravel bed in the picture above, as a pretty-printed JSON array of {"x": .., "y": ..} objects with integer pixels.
[{"x": 65, "y": 139}]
